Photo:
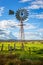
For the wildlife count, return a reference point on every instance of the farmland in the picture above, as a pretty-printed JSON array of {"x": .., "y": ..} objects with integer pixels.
[{"x": 31, "y": 50}]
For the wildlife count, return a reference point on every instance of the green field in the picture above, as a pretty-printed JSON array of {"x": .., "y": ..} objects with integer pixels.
[
  {"x": 31, "y": 53},
  {"x": 32, "y": 50}
]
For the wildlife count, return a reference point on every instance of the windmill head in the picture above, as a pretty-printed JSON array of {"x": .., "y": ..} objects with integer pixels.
[{"x": 22, "y": 14}]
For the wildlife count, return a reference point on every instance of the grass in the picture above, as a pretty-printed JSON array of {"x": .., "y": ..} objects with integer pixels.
[
  {"x": 32, "y": 54},
  {"x": 30, "y": 49}
]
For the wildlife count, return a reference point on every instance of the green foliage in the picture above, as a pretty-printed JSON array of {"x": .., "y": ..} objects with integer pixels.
[{"x": 31, "y": 51}]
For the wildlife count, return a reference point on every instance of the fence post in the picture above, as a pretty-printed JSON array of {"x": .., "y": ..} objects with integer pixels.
[
  {"x": 22, "y": 46},
  {"x": 10, "y": 48},
  {"x": 2, "y": 47},
  {"x": 29, "y": 51},
  {"x": 14, "y": 46}
]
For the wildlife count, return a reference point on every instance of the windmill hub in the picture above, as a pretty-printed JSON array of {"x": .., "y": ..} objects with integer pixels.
[{"x": 21, "y": 14}]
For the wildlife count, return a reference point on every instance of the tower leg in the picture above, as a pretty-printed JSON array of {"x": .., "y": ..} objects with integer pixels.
[{"x": 22, "y": 34}]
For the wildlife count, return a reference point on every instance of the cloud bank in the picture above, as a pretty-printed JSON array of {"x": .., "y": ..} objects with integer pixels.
[{"x": 7, "y": 28}]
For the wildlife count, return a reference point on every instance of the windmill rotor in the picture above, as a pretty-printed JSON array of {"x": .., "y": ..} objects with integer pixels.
[{"x": 22, "y": 14}]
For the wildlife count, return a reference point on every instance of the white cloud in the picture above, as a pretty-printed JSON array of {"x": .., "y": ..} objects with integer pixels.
[
  {"x": 36, "y": 35},
  {"x": 39, "y": 16},
  {"x": 6, "y": 27},
  {"x": 4, "y": 32},
  {"x": 4, "y": 24},
  {"x": 3, "y": 37},
  {"x": 17, "y": 34},
  {"x": 30, "y": 35},
  {"x": 40, "y": 30},
  {"x": 29, "y": 26},
  {"x": 1, "y": 10},
  {"x": 24, "y": 1},
  {"x": 36, "y": 4}
]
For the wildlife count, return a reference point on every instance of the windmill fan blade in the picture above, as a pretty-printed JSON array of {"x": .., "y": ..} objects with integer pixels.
[{"x": 11, "y": 12}]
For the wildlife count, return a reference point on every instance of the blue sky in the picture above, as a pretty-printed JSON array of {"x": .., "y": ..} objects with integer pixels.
[{"x": 33, "y": 28}]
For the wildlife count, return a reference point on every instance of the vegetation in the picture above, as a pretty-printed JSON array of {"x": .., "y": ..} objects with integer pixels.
[{"x": 12, "y": 53}]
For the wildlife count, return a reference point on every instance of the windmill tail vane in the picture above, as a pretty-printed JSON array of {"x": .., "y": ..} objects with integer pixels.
[{"x": 11, "y": 12}]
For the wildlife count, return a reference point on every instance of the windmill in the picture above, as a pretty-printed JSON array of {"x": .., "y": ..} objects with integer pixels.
[{"x": 21, "y": 15}]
